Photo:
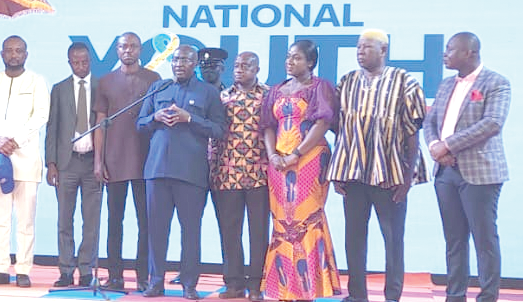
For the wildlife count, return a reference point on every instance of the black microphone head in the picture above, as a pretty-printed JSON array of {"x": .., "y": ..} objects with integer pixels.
[{"x": 165, "y": 85}]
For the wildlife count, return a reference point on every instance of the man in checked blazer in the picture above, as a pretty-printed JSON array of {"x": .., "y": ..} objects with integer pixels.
[
  {"x": 71, "y": 166},
  {"x": 464, "y": 133}
]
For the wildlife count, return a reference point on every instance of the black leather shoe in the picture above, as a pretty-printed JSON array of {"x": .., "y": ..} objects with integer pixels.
[
  {"x": 255, "y": 296},
  {"x": 154, "y": 291},
  {"x": 116, "y": 283},
  {"x": 23, "y": 280},
  {"x": 85, "y": 280},
  {"x": 190, "y": 294},
  {"x": 232, "y": 293},
  {"x": 175, "y": 280},
  {"x": 4, "y": 278},
  {"x": 64, "y": 280},
  {"x": 142, "y": 286}
]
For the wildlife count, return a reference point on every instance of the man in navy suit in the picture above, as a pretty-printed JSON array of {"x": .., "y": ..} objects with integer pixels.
[
  {"x": 181, "y": 119},
  {"x": 71, "y": 166},
  {"x": 464, "y": 133}
]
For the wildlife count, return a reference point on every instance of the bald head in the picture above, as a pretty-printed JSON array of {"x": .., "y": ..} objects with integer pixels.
[
  {"x": 468, "y": 41},
  {"x": 462, "y": 53},
  {"x": 251, "y": 56}
]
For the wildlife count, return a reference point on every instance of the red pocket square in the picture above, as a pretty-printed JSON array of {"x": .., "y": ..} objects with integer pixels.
[{"x": 476, "y": 96}]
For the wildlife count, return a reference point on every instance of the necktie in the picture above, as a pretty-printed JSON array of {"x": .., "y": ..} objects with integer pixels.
[{"x": 81, "y": 109}]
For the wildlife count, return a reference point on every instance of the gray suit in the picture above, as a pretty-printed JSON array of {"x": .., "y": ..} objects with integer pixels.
[
  {"x": 75, "y": 171},
  {"x": 468, "y": 192}
]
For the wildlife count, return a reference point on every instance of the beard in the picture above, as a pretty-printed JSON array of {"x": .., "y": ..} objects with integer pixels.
[{"x": 14, "y": 65}]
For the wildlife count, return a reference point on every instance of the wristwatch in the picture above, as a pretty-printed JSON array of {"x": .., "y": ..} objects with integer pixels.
[{"x": 296, "y": 152}]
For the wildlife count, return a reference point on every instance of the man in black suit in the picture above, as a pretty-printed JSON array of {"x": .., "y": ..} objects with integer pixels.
[
  {"x": 180, "y": 120},
  {"x": 70, "y": 166}
]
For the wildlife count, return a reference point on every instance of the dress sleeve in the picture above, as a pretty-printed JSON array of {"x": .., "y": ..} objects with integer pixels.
[
  {"x": 267, "y": 119},
  {"x": 322, "y": 101}
]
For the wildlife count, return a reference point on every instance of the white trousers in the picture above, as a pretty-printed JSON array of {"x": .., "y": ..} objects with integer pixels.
[{"x": 23, "y": 201}]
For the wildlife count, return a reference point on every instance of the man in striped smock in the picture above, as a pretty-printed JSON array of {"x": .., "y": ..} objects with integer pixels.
[{"x": 376, "y": 159}]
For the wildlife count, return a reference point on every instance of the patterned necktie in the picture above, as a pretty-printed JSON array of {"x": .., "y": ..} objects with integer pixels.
[{"x": 81, "y": 109}]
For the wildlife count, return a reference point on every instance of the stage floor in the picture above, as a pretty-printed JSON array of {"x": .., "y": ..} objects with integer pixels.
[{"x": 418, "y": 288}]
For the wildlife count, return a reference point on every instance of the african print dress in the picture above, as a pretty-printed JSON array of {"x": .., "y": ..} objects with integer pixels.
[{"x": 300, "y": 261}]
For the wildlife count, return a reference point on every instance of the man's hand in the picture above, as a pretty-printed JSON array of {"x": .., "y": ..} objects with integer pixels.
[
  {"x": 290, "y": 160},
  {"x": 182, "y": 115},
  {"x": 166, "y": 116},
  {"x": 52, "y": 175},
  {"x": 172, "y": 115},
  {"x": 100, "y": 172},
  {"x": 447, "y": 160},
  {"x": 400, "y": 192},
  {"x": 277, "y": 161},
  {"x": 339, "y": 187},
  {"x": 7, "y": 145},
  {"x": 438, "y": 150}
]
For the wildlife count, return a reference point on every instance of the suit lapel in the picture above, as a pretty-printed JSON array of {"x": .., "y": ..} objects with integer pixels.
[
  {"x": 477, "y": 83},
  {"x": 69, "y": 93}
]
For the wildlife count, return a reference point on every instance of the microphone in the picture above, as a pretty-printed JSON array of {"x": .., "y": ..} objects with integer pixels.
[
  {"x": 164, "y": 85},
  {"x": 105, "y": 122}
]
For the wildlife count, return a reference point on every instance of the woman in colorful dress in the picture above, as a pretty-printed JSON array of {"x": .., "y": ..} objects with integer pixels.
[{"x": 300, "y": 263}]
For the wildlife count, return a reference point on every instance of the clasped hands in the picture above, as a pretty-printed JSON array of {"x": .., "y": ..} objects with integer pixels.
[
  {"x": 172, "y": 115},
  {"x": 440, "y": 153},
  {"x": 7, "y": 145},
  {"x": 281, "y": 163}
]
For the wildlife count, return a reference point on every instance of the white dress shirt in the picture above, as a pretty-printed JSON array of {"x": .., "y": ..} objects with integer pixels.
[
  {"x": 461, "y": 90},
  {"x": 85, "y": 144}
]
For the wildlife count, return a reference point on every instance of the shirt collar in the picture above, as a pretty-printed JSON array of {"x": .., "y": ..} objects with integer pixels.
[
  {"x": 186, "y": 83},
  {"x": 77, "y": 79},
  {"x": 471, "y": 77},
  {"x": 234, "y": 87}
]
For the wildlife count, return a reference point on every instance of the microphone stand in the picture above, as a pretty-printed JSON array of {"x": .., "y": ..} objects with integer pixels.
[{"x": 105, "y": 124}]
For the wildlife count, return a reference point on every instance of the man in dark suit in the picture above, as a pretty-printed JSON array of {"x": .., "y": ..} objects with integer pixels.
[
  {"x": 70, "y": 166},
  {"x": 180, "y": 119},
  {"x": 464, "y": 133}
]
